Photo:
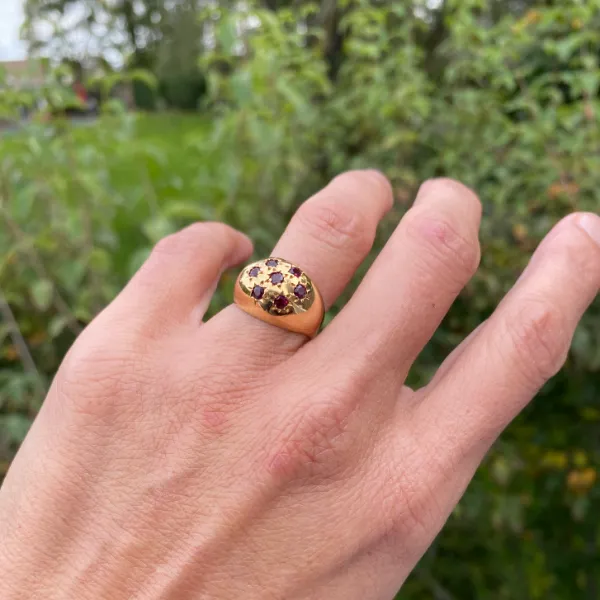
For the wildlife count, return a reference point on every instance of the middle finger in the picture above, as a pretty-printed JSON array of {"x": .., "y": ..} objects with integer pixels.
[{"x": 410, "y": 287}]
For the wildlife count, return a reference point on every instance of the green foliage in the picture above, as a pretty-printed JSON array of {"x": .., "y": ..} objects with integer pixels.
[
  {"x": 506, "y": 102},
  {"x": 182, "y": 83},
  {"x": 57, "y": 27},
  {"x": 145, "y": 97},
  {"x": 183, "y": 91}
]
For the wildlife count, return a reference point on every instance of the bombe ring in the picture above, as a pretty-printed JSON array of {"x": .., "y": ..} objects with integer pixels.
[{"x": 281, "y": 294}]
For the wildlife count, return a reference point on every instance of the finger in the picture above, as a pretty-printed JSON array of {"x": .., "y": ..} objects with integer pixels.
[
  {"x": 466, "y": 343},
  {"x": 453, "y": 357},
  {"x": 410, "y": 287},
  {"x": 328, "y": 238},
  {"x": 179, "y": 277},
  {"x": 520, "y": 347},
  {"x": 332, "y": 232}
]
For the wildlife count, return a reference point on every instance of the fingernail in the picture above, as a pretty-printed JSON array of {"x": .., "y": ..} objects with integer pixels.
[{"x": 590, "y": 223}]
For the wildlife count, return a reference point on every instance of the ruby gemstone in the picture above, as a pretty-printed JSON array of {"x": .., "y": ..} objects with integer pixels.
[
  {"x": 295, "y": 271},
  {"x": 276, "y": 277},
  {"x": 272, "y": 262},
  {"x": 254, "y": 271},
  {"x": 257, "y": 292},
  {"x": 300, "y": 291},
  {"x": 281, "y": 302}
]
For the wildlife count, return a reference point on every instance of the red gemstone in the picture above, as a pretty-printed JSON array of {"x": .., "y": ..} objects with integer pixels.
[
  {"x": 272, "y": 262},
  {"x": 300, "y": 291},
  {"x": 257, "y": 292},
  {"x": 295, "y": 271},
  {"x": 281, "y": 302},
  {"x": 276, "y": 277},
  {"x": 254, "y": 271}
]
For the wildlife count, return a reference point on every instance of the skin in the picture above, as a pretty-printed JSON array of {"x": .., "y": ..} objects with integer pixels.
[{"x": 176, "y": 459}]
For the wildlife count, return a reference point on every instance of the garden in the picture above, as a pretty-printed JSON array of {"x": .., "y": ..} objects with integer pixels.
[{"x": 501, "y": 95}]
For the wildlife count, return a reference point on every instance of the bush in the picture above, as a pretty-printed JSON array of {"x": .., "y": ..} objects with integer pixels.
[
  {"x": 145, "y": 97},
  {"x": 510, "y": 107},
  {"x": 183, "y": 91}
]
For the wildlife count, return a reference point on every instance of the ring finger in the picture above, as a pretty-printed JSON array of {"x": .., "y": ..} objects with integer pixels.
[{"x": 328, "y": 238}]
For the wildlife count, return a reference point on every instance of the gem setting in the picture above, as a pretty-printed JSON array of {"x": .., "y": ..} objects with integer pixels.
[
  {"x": 300, "y": 291},
  {"x": 278, "y": 287},
  {"x": 257, "y": 292},
  {"x": 281, "y": 302}
]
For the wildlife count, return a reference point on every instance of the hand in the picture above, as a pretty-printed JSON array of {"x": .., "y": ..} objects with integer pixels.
[{"x": 175, "y": 459}]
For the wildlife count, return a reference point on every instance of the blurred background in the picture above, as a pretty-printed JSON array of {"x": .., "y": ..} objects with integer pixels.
[{"x": 123, "y": 120}]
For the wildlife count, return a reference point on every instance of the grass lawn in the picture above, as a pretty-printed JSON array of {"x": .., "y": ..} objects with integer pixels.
[
  {"x": 156, "y": 158},
  {"x": 170, "y": 128},
  {"x": 139, "y": 170}
]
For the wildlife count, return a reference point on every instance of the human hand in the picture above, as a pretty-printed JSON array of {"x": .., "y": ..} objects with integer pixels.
[{"x": 177, "y": 460}]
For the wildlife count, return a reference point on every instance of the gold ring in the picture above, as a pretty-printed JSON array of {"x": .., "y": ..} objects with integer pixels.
[{"x": 280, "y": 293}]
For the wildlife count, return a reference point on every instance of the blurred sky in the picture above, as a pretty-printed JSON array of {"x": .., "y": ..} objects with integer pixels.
[{"x": 11, "y": 18}]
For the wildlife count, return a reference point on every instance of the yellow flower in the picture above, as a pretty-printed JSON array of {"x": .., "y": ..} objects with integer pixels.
[{"x": 580, "y": 481}]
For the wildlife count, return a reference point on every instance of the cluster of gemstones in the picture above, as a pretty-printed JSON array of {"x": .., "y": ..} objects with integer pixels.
[{"x": 279, "y": 287}]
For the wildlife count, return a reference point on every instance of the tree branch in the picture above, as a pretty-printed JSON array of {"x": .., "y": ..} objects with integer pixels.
[
  {"x": 37, "y": 265},
  {"x": 21, "y": 345}
]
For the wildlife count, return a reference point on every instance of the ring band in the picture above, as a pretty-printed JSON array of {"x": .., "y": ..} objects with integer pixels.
[{"x": 281, "y": 294}]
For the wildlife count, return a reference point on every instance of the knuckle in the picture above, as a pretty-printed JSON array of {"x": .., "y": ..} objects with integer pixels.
[
  {"x": 187, "y": 240},
  {"x": 415, "y": 510},
  {"x": 94, "y": 382},
  {"x": 539, "y": 339},
  {"x": 447, "y": 252},
  {"x": 334, "y": 225},
  {"x": 201, "y": 247},
  {"x": 411, "y": 509},
  {"x": 313, "y": 442},
  {"x": 172, "y": 245},
  {"x": 109, "y": 364},
  {"x": 195, "y": 238},
  {"x": 215, "y": 398}
]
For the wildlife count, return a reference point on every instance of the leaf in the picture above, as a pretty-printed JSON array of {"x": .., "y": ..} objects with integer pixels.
[
  {"x": 291, "y": 95},
  {"x": 42, "y": 291},
  {"x": 137, "y": 259},
  {"x": 5, "y": 331},
  {"x": 145, "y": 77},
  {"x": 57, "y": 325},
  {"x": 99, "y": 260},
  {"x": 226, "y": 34},
  {"x": 158, "y": 228},
  {"x": 189, "y": 211},
  {"x": 14, "y": 427}
]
